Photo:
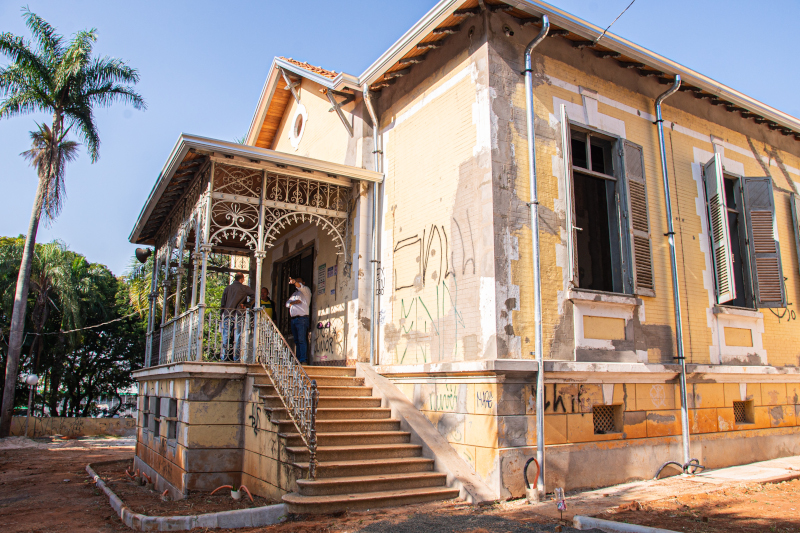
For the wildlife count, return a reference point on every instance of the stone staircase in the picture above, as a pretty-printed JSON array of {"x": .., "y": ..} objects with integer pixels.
[{"x": 364, "y": 460}]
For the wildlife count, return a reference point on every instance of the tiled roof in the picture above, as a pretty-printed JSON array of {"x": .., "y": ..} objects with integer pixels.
[{"x": 317, "y": 70}]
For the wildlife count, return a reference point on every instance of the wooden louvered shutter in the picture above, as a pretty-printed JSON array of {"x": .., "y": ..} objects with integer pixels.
[
  {"x": 718, "y": 228},
  {"x": 796, "y": 222},
  {"x": 638, "y": 220},
  {"x": 763, "y": 246},
  {"x": 572, "y": 240}
]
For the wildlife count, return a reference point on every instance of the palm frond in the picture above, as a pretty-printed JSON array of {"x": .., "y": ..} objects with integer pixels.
[
  {"x": 18, "y": 50},
  {"x": 49, "y": 41},
  {"x": 75, "y": 59},
  {"x": 50, "y": 157}
]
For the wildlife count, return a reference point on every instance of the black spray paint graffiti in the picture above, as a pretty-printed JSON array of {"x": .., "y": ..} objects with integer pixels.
[
  {"x": 327, "y": 341},
  {"x": 573, "y": 394},
  {"x": 255, "y": 415},
  {"x": 785, "y": 312}
]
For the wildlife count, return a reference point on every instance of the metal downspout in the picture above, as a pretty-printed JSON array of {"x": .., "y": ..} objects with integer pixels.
[
  {"x": 674, "y": 263},
  {"x": 374, "y": 260},
  {"x": 537, "y": 279}
]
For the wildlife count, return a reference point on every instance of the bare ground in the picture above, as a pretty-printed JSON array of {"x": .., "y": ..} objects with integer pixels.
[{"x": 44, "y": 488}]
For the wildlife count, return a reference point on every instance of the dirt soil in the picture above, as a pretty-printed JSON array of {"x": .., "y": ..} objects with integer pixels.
[
  {"x": 744, "y": 508},
  {"x": 149, "y": 502},
  {"x": 44, "y": 488}
]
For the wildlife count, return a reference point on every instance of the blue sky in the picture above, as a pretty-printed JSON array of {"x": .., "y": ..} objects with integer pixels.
[{"x": 203, "y": 64}]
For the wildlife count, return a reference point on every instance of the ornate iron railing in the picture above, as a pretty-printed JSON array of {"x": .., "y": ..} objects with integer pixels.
[
  {"x": 296, "y": 390},
  {"x": 179, "y": 338},
  {"x": 228, "y": 335}
]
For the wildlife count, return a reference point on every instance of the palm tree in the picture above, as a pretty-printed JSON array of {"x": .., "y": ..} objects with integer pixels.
[{"x": 62, "y": 78}]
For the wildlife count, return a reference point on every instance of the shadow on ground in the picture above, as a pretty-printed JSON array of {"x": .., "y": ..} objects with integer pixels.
[{"x": 428, "y": 523}]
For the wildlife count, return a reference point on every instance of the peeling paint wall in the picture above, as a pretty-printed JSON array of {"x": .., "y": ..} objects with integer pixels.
[{"x": 438, "y": 246}]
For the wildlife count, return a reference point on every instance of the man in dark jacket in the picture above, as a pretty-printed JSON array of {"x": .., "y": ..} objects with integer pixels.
[{"x": 235, "y": 299}]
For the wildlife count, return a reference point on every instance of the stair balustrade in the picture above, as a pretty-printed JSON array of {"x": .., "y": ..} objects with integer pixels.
[{"x": 298, "y": 392}]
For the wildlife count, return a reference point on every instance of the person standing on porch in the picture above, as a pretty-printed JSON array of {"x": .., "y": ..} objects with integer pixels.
[
  {"x": 232, "y": 306},
  {"x": 298, "y": 305},
  {"x": 267, "y": 304}
]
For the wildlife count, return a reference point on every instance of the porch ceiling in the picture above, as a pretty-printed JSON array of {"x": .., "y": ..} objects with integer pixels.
[{"x": 191, "y": 151}]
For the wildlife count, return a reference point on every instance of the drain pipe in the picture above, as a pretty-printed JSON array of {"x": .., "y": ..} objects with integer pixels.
[
  {"x": 674, "y": 263},
  {"x": 537, "y": 278},
  {"x": 377, "y": 153}
]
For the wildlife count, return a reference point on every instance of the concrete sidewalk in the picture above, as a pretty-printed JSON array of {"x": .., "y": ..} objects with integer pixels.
[{"x": 594, "y": 502}]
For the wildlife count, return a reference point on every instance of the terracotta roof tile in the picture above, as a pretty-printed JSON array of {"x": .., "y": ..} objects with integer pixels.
[{"x": 317, "y": 70}]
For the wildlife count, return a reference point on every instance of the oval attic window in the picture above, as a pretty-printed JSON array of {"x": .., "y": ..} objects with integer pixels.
[{"x": 298, "y": 125}]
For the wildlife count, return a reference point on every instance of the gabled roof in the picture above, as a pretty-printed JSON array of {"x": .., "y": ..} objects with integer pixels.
[{"x": 446, "y": 17}]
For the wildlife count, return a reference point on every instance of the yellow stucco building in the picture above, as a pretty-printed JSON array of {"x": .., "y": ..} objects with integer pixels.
[{"x": 432, "y": 289}]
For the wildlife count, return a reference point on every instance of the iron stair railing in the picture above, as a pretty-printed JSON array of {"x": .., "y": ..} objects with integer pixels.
[{"x": 298, "y": 392}]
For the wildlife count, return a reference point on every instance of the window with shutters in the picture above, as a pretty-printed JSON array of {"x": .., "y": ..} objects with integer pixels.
[
  {"x": 609, "y": 242},
  {"x": 746, "y": 251}
]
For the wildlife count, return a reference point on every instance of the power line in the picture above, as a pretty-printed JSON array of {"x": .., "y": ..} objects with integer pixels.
[
  {"x": 616, "y": 19},
  {"x": 87, "y": 327}
]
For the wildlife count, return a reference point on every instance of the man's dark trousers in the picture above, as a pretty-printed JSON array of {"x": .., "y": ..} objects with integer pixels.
[{"x": 300, "y": 334}]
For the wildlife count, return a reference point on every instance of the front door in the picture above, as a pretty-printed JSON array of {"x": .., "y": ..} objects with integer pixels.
[{"x": 300, "y": 264}]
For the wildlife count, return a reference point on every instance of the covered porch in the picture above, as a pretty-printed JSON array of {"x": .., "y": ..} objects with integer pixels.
[{"x": 220, "y": 208}]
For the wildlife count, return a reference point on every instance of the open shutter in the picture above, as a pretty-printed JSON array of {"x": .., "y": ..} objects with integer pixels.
[
  {"x": 763, "y": 246},
  {"x": 566, "y": 150},
  {"x": 641, "y": 245},
  {"x": 796, "y": 221},
  {"x": 718, "y": 226}
]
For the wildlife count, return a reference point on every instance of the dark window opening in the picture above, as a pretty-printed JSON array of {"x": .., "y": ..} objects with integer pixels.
[
  {"x": 601, "y": 157},
  {"x": 172, "y": 425},
  {"x": 595, "y": 270},
  {"x": 579, "y": 152},
  {"x": 737, "y": 232},
  {"x": 597, "y": 240},
  {"x": 155, "y": 413}
]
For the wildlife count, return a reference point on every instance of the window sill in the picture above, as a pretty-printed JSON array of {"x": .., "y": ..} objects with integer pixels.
[
  {"x": 583, "y": 295},
  {"x": 737, "y": 311}
]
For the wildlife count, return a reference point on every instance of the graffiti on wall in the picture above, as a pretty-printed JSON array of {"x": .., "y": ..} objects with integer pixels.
[
  {"x": 328, "y": 333},
  {"x": 427, "y": 267}
]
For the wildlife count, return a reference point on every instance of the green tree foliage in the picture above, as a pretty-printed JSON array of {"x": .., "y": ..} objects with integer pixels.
[
  {"x": 63, "y": 78},
  {"x": 69, "y": 293}
]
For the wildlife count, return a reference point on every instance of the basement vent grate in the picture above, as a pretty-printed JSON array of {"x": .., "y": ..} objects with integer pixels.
[
  {"x": 744, "y": 412},
  {"x": 607, "y": 419}
]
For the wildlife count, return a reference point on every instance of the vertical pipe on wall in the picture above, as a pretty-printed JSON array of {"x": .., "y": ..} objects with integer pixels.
[
  {"x": 377, "y": 153},
  {"x": 537, "y": 280},
  {"x": 674, "y": 263}
]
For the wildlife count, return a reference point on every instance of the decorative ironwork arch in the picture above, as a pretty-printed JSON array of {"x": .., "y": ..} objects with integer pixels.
[{"x": 336, "y": 227}]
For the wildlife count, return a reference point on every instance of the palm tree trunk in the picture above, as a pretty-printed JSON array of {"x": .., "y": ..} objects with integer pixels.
[{"x": 18, "y": 314}]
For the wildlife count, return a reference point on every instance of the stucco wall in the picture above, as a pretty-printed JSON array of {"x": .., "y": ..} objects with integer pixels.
[
  {"x": 437, "y": 250},
  {"x": 602, "y": 95}
]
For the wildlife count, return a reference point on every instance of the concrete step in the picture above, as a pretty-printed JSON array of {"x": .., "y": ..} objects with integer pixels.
[
  {"x": 297, "y": 503},
  {"x": 351, "y": 438},
  {"x": 367, "y": 451},
  {"x": 329, "y": 401},
  {"x": 285, "y": 425},
  {"x": 340, "y": 390},
  {"x": 355, "y": 413},
  {"x": 357, "y": 484},
  {"x": 334, "y": 413},
  {"x": 330, "y": 370},
  {"x": 337, "y": 381},
  {"x": 369, "y": 467}
]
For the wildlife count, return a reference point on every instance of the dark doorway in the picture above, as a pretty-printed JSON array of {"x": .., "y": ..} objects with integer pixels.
[{"x": 300, "y": 264}]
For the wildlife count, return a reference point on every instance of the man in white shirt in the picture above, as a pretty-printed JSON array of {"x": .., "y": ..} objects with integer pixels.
[{"x": 298, "y": 305}]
